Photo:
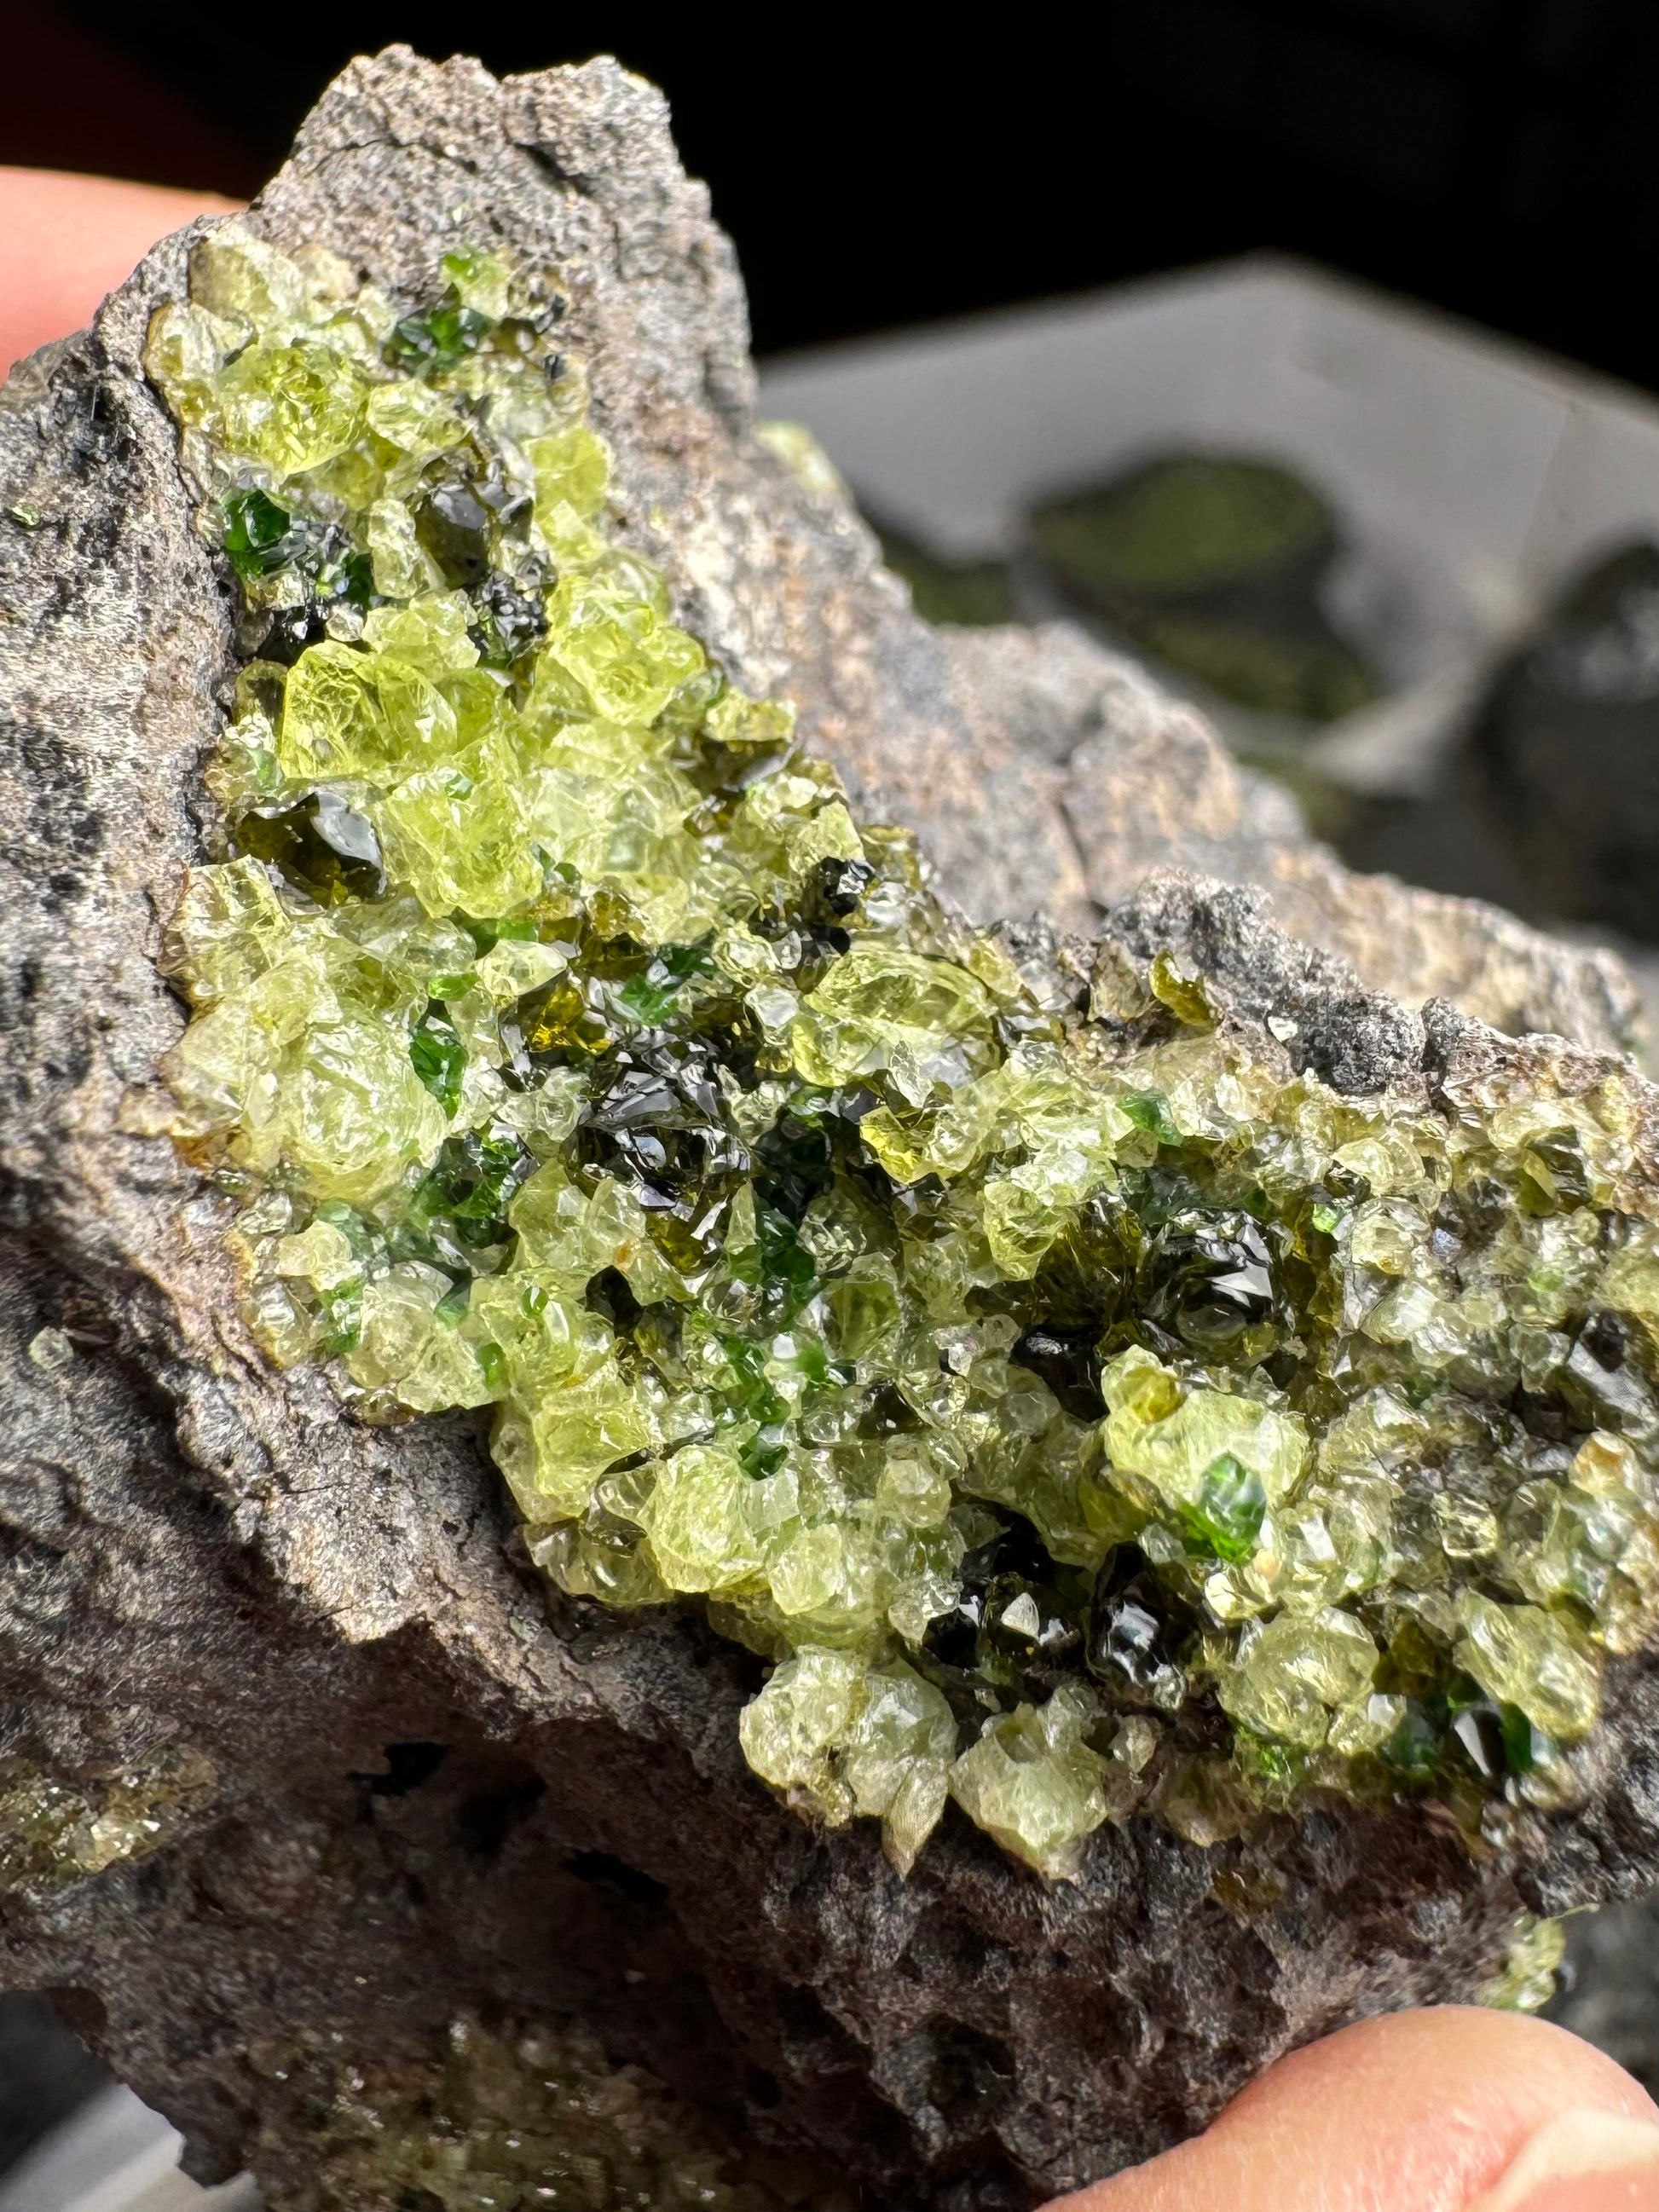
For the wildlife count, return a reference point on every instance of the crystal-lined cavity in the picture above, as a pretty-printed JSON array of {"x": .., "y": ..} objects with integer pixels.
[{"x": 1083, "y": 1417}]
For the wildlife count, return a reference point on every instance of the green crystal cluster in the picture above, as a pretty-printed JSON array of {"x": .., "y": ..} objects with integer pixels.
[
  {"x": 524, "y": 2119},
  {"x": 1083, "y": 1415}
]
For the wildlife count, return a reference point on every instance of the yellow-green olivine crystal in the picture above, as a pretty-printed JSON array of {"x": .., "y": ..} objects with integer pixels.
[{"x": 1082, "y": 1425}]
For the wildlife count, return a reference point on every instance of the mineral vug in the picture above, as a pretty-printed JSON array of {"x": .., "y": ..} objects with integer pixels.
[{"x": 1086, "y": 1417}]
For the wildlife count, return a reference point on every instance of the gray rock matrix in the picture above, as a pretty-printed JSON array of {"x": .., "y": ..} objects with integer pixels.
[{"x": 198, "y": 1551}]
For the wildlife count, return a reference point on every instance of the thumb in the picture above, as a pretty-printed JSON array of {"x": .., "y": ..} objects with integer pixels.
[
  {"x": 1454, "y": 2110},
  {"x": 66, "y": 241}
]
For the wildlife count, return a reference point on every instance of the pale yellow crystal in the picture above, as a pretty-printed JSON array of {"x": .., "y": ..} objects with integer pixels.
[
  {"x": 1294, "y": 1673},
  {"x": 406, "y": 1347},
  {"x": 1033, "y": 1783},
  {"x": 1523, "y": 1656}
]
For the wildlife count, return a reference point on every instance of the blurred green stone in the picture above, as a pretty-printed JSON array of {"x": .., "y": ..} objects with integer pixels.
[
  {"x": 1213, "y": 564},
  {"x": 1564, "y": 749},
  {"x": 974, "y": 593}
]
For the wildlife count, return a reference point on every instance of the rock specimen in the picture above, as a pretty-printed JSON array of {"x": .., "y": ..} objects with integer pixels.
[
  {"x": 1366, "y": 1291},
  {"x": 1042, "y": 1381}
]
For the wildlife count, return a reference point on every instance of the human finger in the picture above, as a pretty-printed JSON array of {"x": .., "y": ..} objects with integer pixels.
[
  {"x": 66, "y": 241},
  {"x": 1452, "y": 2110}
]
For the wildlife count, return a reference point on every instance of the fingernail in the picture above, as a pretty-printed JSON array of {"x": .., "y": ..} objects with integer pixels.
[{"x": 1581, "y": 2162}]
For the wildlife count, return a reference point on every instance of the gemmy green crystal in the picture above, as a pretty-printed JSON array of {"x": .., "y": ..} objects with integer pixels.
[{"x": 1084, "y": 1418}]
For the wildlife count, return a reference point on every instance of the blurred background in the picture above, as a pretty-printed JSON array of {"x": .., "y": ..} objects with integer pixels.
[
  {"x": 1306, "y": 349},
  {"x": 881, "y": 166}
]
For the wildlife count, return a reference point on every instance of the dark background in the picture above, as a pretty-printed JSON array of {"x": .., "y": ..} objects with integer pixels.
[{"x": 881, "y": 164}]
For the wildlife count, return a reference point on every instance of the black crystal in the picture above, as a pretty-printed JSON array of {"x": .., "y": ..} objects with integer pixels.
[{"x": 318, "y": 844}]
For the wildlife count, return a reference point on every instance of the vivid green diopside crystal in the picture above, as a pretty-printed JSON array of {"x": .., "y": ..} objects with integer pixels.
[{"x": 1083, "y": 1420}]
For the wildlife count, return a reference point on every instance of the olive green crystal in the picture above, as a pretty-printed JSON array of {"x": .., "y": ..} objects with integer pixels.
[
  {"x": 56, "y": 1829},
  {"x": 1214, "y": 563},
  {"x": 1085, "y": 1418},
  {"x": 1526, "y": 1982},
  {"x": 503, "y": 2120}
]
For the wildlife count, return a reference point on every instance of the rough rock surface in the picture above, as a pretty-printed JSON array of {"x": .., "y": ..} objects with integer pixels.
[
  {"x": 197, "y": 1552},
  {"x": 1143, "y": 784}
]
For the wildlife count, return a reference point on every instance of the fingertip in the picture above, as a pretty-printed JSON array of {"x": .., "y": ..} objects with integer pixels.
[
  {"x": 67, "y": 242},
  {"x": 1417, "y": 2111}
]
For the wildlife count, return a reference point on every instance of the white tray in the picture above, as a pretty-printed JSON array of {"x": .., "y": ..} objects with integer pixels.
[
  {"x": 115, "y": 2154},
  {"x": 1471, "y": 473}
]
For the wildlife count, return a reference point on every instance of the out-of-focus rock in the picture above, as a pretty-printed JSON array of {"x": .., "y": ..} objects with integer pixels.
[
  {"x": 1215, "y": 563},
  {"x": 1566, "y": 749}
]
